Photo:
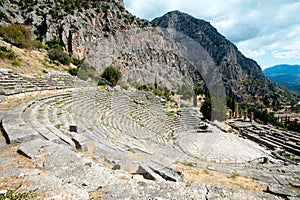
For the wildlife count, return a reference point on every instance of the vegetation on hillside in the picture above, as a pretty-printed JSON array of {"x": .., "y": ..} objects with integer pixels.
[
  {"x": 262, "y": 115},
  {"x": 7, "y": 53},
  {"x": 19, "y": 35},
  {"x": 112, "y": 75}
]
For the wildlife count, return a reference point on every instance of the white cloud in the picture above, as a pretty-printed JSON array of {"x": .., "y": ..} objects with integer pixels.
[
  {"x": 256, "y": 27},
  {"x": 286, "y": 54}
]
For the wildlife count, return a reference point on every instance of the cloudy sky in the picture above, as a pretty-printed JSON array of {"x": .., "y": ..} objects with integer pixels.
[{"x": 267, "y": 31}]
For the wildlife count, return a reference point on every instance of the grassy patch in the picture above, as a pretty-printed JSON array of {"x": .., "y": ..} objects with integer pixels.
[
  {"x": 16, "y": 63},
  {"x": 7, "y": 53},
  {"x": 190, "y": 164},
  {"x": 46, "y": 65},
  {"x": 169, "y": 114},
  {"x": 13, "y": 195},
  {"x": 235, "y": 175},
  {"x": 102, "y": 87}
]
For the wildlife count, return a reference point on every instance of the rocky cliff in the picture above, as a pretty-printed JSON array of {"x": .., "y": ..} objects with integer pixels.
[
  {"x": 242, "y": 77},
  {"x": 104, "y": 33}
]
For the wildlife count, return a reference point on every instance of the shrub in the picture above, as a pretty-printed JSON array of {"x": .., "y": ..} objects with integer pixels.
[
  {"x": 206, "y": 108},
  {"x": 60, "y": 56},
  {"x": 54, "y": 43},
  {"x": 112, "y": 74},
  {"x": 102, "y": 82},
  {"x": 7, "y": 53},
  {"x": 157, "y": 92},
  {"x": 16, "y": 63},
  {"x": 38, "y": 44},
  {"x": 73, "y": 71},
  {"x": 17, "y": 34},
  {"x": 3, "y": 16}
]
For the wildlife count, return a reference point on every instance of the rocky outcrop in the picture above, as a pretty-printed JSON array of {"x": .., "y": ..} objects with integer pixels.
[{"x": 242, "y": 77}]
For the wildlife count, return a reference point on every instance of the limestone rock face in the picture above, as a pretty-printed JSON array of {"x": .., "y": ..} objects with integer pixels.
[
  {"x": 105, "y": 33},
  {"x": 242, "y": 76}
]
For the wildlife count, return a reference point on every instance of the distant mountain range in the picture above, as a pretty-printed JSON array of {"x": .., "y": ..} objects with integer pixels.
[{"x": 286, "y": 75}]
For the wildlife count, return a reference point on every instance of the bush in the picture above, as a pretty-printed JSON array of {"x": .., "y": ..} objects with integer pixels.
[
  {"x": 206, "y": 108},
  {"x": 16, "y": 63},
  {"x": 101, "y": 82},
  {"x": 54, "y": 43},
  {"x": 7, "y": 53},
  {"x": 3, "y": 16},
  {"x": 112, "y": 75},
  {"x": 60, "y": 56},
  {"x": 17, "y": 34},
  {"x": 73, "y": 71}
]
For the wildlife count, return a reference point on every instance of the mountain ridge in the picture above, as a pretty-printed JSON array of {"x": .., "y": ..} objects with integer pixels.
[
  {"x": 233, "y": 65},
  {"x": 286, "y": 75}
]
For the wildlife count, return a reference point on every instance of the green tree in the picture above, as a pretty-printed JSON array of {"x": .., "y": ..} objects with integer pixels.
[
  {"x": 112, "y": 74},
  {"x": 17, "y": 34},
  {"x": 60, "y": 56},
  {"x": 230, "y": 103},
  {"x": 54, "y": 43},
  {"x": 206, "y": 108}
]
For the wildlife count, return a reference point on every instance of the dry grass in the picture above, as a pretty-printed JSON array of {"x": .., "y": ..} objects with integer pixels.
[
  {"x": 235, "y": 181},
  {"x": 31, "y": 61},
  {"x": 95, "y": 195},
  {"x": 14, "y": 182}
]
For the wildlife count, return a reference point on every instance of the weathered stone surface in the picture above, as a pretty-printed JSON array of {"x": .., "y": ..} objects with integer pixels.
[
  {"x": 282, "y": 180},
  {"x": 13, "y": 170},
  {"x": 148, "y": 173},
  {"x": 44, "y": 182},
  {"x": 16, "y": 130},
  {"x": 120, "y": 174},
  {"x": 71, "y": 167},
  {"x": 5, "y": 160},
  {"x": 37, "y": 148},
  {"x": 126, "y": 164},
  {"x": 166, "y": 172},
  {"x": 67, "y": 191},
  {"x": 145, "y": 189},
  {"x": 282, "y": 191},
  {"x": 80, "y": 142},
  {"x": 294, "y": 183},
  {"x": 215, "y": 192}
]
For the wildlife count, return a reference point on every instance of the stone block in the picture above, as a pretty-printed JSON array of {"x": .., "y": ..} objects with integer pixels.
[{"x": 80, "y": 142}]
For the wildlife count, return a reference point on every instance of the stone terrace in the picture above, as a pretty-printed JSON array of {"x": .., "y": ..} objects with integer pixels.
[
  {"x": 287, "y": 143},
  {"x": 14, "y": 85}
]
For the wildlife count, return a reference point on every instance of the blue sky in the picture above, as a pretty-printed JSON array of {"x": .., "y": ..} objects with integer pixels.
[{"x": 267, "y": 31}]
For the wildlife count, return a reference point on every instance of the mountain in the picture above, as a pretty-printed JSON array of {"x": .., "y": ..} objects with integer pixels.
[
  {"x": 243, "y": 77},
  {"x": 286, "y": 75},
  {"x": 104, "y": 33}
]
